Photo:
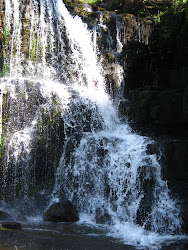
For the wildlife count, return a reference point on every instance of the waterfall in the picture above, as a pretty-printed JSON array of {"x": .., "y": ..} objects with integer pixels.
[{"x": 61, "y": 118}]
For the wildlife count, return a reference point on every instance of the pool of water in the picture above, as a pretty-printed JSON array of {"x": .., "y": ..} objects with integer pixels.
[{"x": 39, "y": 236}]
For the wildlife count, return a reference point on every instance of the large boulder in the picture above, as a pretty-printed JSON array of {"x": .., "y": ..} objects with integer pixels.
[{"x": 61, "y": 212}]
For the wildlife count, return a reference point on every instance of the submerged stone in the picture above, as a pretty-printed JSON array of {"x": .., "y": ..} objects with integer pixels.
[
  {"x": 11, "y": 225},
  {"x": 61, "y": 212}
]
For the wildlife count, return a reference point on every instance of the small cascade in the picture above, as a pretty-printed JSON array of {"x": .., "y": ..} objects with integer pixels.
[
  {"x": 111, "y": 48},
  {"x": 16, "y": 53},
  {"x": 119, "y": 43},
  {"x": 61, "y": 134}
]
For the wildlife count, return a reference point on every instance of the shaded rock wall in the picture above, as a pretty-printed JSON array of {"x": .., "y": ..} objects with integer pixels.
[
  {"x": 154, "y": 97},
  {"x": 31, "y": 143},
  {"x": 159, "y": 82},
  {"x": 157, "y": 89}
]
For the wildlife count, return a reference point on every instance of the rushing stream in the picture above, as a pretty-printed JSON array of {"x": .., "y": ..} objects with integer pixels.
[{"x": 101, "y": 166}]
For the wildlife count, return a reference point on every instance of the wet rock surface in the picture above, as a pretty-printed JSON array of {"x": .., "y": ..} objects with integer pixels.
[
  {"x": 102, "y": 216},
  {"x": 61, "y": 212},
  {"x": 11, "y": 225},
  {"x": 4, "y": 216},
  {"x": 69, "y": 238},
  {"x": 163, "y": 109}
]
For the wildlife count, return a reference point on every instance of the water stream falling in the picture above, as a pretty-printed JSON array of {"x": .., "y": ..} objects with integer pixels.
[{"x": 103, "y": 167}]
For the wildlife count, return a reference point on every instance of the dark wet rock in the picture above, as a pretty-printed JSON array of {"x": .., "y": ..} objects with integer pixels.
[
  {"x": 174, "y": 157},
  {"x": 186, "y": 228},
  {"x": 102, "y": 216},
  {"x": 5, "y": 216},
  {"x": 164, "y": 110},
  {"x": 11, "y": 225},
  {"x": 61, "y": 212},
  {"x": 71, "y": 144},
  {"x": 179, "y": 188},
  {"x": 153, "y": 148}
]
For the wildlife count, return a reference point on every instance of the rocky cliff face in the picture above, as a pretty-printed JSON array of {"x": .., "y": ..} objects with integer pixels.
[
  {"x": 153, "y": 91},
  {"x": 151, "y": 56},
  {"x": 161, "y": 89}
]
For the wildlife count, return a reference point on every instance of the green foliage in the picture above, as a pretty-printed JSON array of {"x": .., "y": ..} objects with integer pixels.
[
  {"x": 33, "y": 50},
  {"x": 144, "y": 8},
  {"x": 89, "y": 1},
  {"x": 166, "y": 11},
  {"x": 178, "y": 2},
  {"x": 170, "y": 33}
]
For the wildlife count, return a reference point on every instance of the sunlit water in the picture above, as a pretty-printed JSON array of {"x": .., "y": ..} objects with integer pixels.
[{"x": 105, "y": 169}]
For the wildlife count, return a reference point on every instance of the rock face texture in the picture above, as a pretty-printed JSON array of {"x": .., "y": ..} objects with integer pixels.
[
  {"x": 148, "y": 53},
  {"x": 11, "y": 225},
  {"x": 61, "y": 212},
  {"x": 151, "y": 53},
  {"x": 157, "y": 81},
  {"x": 4, "y": 216}
]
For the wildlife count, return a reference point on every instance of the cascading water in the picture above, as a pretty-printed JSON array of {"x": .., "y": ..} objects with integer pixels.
[{"x": 103, "y": 167}]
